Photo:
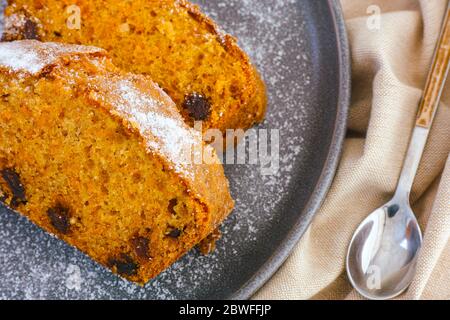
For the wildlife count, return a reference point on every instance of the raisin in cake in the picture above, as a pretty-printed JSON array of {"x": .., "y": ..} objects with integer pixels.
[
  {"x": 103, "y": 160},
  {"x": 204, "y": 71}
]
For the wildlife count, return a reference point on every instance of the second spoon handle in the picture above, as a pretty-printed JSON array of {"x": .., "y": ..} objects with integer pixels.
[
  {"x": 427, "y": 110},
  {"x": 437, "y": 76}
]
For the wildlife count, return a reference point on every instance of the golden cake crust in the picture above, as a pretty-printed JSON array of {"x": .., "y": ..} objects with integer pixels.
[
  {"x": 220, "y": 87},
  {"x": 141, "y": 109}
]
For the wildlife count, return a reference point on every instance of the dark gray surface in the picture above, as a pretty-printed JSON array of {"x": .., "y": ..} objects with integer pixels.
[{"x": 301, "y": 50}]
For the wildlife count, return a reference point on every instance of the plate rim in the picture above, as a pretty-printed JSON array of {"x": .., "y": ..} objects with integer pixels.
[{"x": 272, "y": 265}]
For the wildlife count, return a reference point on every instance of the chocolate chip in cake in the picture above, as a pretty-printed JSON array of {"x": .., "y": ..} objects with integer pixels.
[
  {"x": 30, "y": 30},
  {"x": 12, "y": 179},
  {"x": 198, "y": 107},
  {"x": 173, "y": 233},
  {"x": 124, "y": 265},
  {"x": 141, "y": 247},
  {"x": 172, "y": 204},
  {"x": 57, "y": 34},
  {"x": 60, "y": 218}
]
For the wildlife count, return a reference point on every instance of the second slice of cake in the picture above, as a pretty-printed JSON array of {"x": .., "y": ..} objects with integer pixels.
[{"x": 210, "y": 78}]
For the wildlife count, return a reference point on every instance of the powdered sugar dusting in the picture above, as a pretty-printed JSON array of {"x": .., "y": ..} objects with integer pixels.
[
  {"x": 32, "y": 56},
  {"x": 170, "y": 136}
]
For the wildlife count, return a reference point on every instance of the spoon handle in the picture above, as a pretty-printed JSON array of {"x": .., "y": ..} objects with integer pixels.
[
  {"x": 437, "y": 77},
  {"x": 427, "y": 110}
]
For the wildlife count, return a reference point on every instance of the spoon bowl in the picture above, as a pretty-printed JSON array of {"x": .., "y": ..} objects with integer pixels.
[{"x": 382, "y": 255}]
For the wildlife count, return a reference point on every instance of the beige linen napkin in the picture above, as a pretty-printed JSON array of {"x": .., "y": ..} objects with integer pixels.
[{"x": 390, "y": 64}]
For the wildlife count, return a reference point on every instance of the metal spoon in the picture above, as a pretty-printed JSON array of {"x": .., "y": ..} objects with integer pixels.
[{"x": 382, "y": 256}]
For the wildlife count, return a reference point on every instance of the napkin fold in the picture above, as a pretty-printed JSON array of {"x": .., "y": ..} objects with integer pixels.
[{"x": 392, "y": 44}]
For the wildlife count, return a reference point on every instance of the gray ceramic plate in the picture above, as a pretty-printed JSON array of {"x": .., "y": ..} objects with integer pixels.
[{"x": 301, "y": 50}]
